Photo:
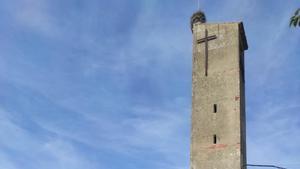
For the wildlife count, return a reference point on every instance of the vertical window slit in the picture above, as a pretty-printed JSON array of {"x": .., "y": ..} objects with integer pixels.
[
  {"x": 215, "y": 139},
  {"x": 215, "y": 108}
]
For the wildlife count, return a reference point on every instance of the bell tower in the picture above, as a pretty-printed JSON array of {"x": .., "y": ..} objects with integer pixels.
[{"x": 218, "y": 138}]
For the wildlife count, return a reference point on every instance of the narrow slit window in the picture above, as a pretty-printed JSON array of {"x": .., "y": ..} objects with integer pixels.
[
  {"x": 215, "y": 139},
  {"x": 215, "y": 108}
]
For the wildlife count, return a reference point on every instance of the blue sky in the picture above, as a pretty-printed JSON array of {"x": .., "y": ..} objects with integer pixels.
[{"x": 107, "y": 84}]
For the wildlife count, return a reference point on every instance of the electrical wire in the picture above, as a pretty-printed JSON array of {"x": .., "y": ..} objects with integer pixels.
[{"x": 272, "y": 166}]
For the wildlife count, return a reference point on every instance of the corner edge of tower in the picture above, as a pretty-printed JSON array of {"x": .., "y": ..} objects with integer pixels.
[{"x": 243, "y": 36}]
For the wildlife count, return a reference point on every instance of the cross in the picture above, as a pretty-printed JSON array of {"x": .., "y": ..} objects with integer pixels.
[{"x": 206, "y": 39}]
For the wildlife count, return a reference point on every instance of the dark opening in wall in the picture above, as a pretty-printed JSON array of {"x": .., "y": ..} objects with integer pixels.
[
  {"x": 215, "y": 139},
  {"x": 215, "y": 108}
]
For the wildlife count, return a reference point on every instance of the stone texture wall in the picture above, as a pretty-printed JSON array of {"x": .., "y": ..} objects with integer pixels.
[{"x": 223, "y": 87}]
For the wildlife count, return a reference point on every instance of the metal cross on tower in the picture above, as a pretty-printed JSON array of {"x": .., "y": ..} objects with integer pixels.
[{"x": 206, "y": 39}]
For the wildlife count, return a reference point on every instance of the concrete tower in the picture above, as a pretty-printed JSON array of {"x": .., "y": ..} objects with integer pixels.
[{"x": 218, "y": 109}]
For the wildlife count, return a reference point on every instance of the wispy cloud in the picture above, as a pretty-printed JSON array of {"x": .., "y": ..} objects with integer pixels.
[
  {"x": 6, "y": 162},
  {"x": 33, "y": 15},
  {"x": 145, "y": 131},
  {"x": 19, "y": 145}
]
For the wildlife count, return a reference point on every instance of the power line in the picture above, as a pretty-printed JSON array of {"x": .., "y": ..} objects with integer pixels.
[{"x": 272, "y": 166}]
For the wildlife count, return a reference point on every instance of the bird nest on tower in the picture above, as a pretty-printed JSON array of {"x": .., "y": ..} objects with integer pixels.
[{"x": 197, "y": 17}]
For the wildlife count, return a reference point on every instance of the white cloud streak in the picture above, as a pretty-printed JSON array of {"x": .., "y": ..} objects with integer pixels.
[{"x": 47, "y": 154}]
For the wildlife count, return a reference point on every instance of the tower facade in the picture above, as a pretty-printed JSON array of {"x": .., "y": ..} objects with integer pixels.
[{"x": 218, "y": 138}]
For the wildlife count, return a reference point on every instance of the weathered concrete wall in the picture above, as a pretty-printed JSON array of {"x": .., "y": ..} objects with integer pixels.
[{"x": 223, "y": 86}]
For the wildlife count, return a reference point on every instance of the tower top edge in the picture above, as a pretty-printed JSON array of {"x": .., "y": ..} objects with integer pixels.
[{"x": 238, "y": 23}]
